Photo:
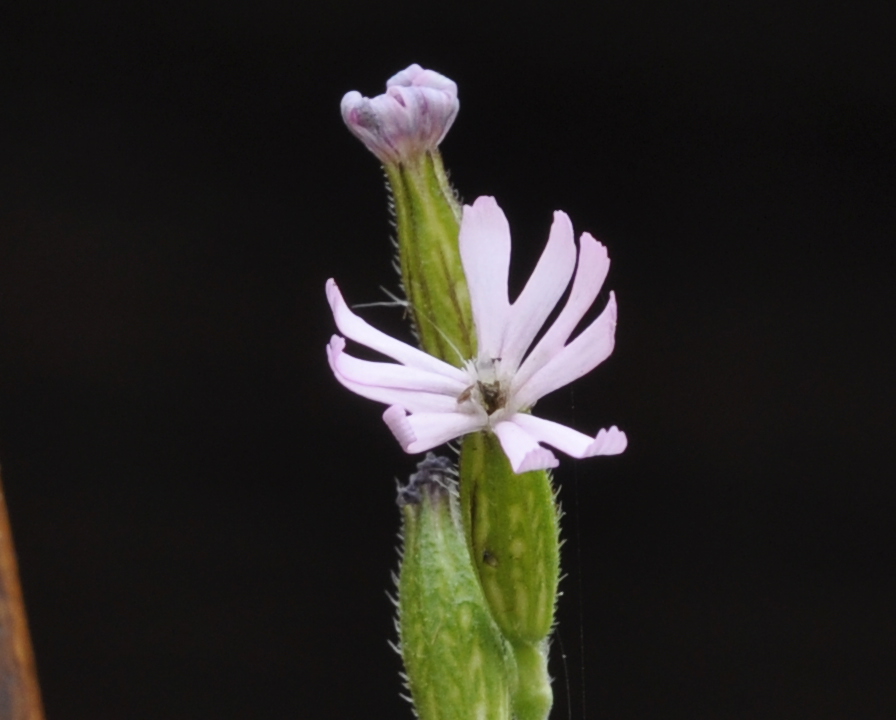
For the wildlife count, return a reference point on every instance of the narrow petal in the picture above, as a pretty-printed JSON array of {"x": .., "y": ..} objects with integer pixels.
[
  {"x": 423, "y": 431},
  {"x": 522, "y": 449},
  {"x": 569, "y": 441},
  {"x": 608, "y": 442},
  {"x": 413, "y": 400},
  {"x": 485, "y": 253},
  {"x": 393, "y": 375},
  {"x": 590, "y": 275},
  {"x": 581, "y": 356},
  {"x": 543, "y": 289},
  {"x": 360, "y": 331}
]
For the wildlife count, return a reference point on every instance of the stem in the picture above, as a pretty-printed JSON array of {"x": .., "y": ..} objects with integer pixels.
[{"x": 19, "y": 690}]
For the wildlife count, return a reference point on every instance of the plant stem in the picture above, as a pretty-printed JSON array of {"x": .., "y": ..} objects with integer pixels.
[{"x": 19, "y": 691}]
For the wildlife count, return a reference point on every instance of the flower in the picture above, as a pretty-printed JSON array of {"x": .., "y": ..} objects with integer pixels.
[
  {"x": 432, "y": 402},
  {"x": 412, "y": 117}
]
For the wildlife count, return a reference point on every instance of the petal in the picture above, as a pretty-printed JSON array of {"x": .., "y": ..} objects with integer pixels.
[
  {"x": 608, "y": 442},
  {"x": 393, "y": 375},
  {"x": 425, "y": 117},
  {"x": 346, "y": 372},
  {"x": 361, "y": 120},
  {"x": 414, "y": 75},
  {"x": 543, "y": 289},
  {"x": 423, "y": 431},
  {"x": 360, "y": 331},
  {"x": 406, "y": 76},
  {"x": 522, "y": 449},
  {"x": 581, "y": 356},
  {"x": 485, "y": 253},
  {"x": 590, "y": 275},
  {"x": 569, "y": 441}
]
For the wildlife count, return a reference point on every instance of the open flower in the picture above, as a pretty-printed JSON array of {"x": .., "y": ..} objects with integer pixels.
[
  {"x": 412, "y": 117},
  {"x": 432, "y": 402}
]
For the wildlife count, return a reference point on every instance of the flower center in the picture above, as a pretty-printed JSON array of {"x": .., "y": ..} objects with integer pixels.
[
  {"x": 487, "y": 390},
  {"x": 492, "y": 396}
]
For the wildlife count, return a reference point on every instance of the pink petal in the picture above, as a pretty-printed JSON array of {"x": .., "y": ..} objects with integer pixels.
[
  {"x": 590, "y": 275},
  {"x": 393, "y": 375},
  {"x": 423, "y": 431},
  {"x": 522, "y": 449},
  {"x": 569, "y": 441},
  {"x": 608, "y": 442},
  {"x": 542, "y": 291},
  {"x": 360, "y": 331},
  {"x": 343, "y": 368},
  {"x": 414, "y": 75},
  {"x": 485, "y": 253},
  {"x": 580, "y": 357}
]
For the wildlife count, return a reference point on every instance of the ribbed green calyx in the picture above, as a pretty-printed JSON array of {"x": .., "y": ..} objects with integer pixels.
[
  {"x": 512, "y": 529},
  {"x": 534, "y": 697},
  {"x": 427, "y": 217},
  {"x": 459, "y": 667},
  {"x": 513, "y": 533}
]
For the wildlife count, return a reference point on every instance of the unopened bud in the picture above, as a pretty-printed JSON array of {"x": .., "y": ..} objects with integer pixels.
[
  {"x": 411, "y": 118},
  {"x": 457, "y": 663},
  {"x": 403, "y": 129}
]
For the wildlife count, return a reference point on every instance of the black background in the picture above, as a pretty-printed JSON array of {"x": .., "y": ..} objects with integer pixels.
[{"x": 205, "y": 520}]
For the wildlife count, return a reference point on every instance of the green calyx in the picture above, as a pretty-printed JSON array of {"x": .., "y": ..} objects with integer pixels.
[
  {"x": 534, "y": 697},
  {"x": 458, "y": 664},
  {"x": 513, "y": 535},
  {"x": 427, "y": 218},
  {"x": 512, "y": 529}
]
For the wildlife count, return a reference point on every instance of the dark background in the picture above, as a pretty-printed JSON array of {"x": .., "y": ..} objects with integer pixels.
[{"x": 205, "y": 520}]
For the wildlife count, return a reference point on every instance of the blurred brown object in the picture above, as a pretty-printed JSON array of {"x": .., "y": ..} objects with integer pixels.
[{"x": 19, "y": 691}]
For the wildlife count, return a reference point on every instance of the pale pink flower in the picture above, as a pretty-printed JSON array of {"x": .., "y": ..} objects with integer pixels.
[
  {"x": 412, "y": 117},
  {"x": 432, "y": 402}
]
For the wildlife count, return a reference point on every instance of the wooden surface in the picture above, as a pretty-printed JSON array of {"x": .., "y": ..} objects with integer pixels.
[{"x": 19, "y": 691}]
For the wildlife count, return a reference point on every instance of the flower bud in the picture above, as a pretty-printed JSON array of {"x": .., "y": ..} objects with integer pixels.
[
  {"x": 403, "y": 129},
  {"x": 457, "y": 663},
  {"x": 410, "y": 119}
]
